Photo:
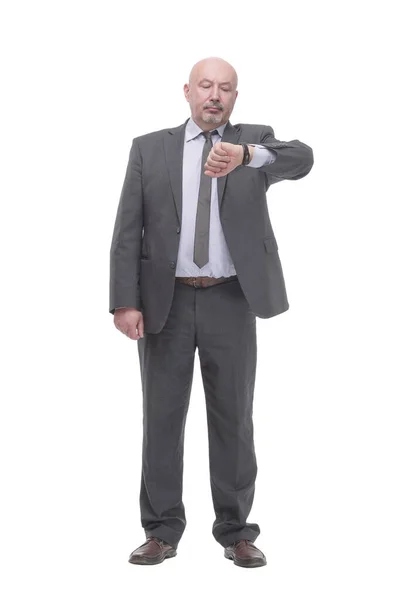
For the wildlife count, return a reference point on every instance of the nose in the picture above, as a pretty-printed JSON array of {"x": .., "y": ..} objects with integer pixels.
[{"x": 215, "y": 94}]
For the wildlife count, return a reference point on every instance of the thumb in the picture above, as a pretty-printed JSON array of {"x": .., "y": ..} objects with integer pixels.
[
  {"x": 229, "y": 149},
  {"x": 226, "y": 146},
  {"x": 140, "y": 327}
]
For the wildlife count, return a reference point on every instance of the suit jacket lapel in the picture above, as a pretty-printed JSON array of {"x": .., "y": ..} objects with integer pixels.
[{"x": 173, "y": 148}]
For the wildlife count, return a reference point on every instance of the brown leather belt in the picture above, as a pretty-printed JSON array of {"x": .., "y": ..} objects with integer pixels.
[{"x": 205, "y": 281}]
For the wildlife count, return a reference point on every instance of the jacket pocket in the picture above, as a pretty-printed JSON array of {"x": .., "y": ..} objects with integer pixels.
[{"x": 270, "y": 244}]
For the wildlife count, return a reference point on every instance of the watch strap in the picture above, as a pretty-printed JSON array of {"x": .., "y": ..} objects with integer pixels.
[{"x": 246, "y": 154}]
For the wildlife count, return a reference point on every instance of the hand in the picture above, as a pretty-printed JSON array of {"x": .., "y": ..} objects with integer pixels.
[
  {"x": 128, "y": 320},
  {"x": 223, "y": 158}
]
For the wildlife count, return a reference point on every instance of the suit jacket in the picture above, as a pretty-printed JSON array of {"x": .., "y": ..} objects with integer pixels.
[{"x": 145, "y": 240}]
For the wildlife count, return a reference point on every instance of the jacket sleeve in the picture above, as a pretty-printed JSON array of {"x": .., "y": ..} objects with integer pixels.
[
  {"x": 126, "y": 241},
  {"x": 294, "y": 159}
]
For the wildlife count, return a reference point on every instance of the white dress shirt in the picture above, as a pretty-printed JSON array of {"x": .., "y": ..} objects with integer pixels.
[{"x": 220, "y": 262}]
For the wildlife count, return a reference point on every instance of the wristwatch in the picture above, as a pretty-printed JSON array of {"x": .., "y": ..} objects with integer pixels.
[{"x": 246, "y": 155}]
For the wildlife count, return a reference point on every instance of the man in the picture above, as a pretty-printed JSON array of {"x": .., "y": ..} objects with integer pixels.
[{"x": 194, "y": 260}]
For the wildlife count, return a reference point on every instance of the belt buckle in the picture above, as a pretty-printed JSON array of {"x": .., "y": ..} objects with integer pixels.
[{"x": 194, "y": 282}]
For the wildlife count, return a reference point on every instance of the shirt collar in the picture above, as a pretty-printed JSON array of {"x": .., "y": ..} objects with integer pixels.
[{"x": 193, "y": 130}]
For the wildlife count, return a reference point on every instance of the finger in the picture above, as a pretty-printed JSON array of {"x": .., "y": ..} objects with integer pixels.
[
  {"x": 211, "y": 174},
  {"x": 220, "y": 159},
  {"x": 218, "y": 172},
  {"x": 218, "y": 164},
  {"x": 222, "y": 164},
  {"x": 219, "y": 150},
  {"x": 135, "y": 332},
  {"x": 212, "y": 169},
  {"x": 216, "y": 167}
]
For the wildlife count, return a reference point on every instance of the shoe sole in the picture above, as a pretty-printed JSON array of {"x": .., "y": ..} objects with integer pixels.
[
  {"x": 241, "y": 562},
  {"x": 152, "y": 561}
]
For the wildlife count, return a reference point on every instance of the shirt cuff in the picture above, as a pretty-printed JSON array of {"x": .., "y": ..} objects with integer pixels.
[{"x": 262, "y": 156}]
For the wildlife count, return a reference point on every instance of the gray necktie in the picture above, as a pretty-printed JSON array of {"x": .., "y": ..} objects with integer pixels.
[{"x": 201, "y": 236}]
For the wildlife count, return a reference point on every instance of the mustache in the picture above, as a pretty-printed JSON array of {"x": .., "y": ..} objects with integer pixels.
[{"x": 215, "y": 106}]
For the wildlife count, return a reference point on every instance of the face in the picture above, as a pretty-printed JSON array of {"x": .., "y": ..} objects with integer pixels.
[{"x": 211, "y": 93}]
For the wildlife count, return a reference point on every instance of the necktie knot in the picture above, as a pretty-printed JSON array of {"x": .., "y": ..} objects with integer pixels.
[{"x": 208, "y": 134}]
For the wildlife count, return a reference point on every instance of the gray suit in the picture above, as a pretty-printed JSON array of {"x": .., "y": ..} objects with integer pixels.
[
  {"x": 155, "y": 205},
  {"x": 220, "y": 321}
]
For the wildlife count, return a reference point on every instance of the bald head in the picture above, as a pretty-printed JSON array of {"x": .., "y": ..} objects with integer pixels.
[
  {"x": 211, "y": 92},
  {"x": 213, "y": 64}
]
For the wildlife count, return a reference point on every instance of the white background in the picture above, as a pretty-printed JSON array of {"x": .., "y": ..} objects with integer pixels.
[{"x": 80, "y": 80}]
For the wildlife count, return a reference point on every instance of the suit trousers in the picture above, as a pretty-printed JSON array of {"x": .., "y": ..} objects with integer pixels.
[{"x": 216, "y": 320}]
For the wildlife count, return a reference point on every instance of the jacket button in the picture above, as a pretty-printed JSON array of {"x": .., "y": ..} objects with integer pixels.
[
  {"x": 178, "y": 230},
  {"x": 172, "y": 265}
]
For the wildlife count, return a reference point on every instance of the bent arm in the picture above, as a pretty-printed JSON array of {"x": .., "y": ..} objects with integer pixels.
[
  {"x": 126, "y": 241},
  {"x": 294, "y": 159}
]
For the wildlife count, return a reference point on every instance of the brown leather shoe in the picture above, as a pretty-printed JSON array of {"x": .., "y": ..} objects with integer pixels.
[
  {"x": 152, "y": 552},
  {"x": 245, "y": 554}
]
